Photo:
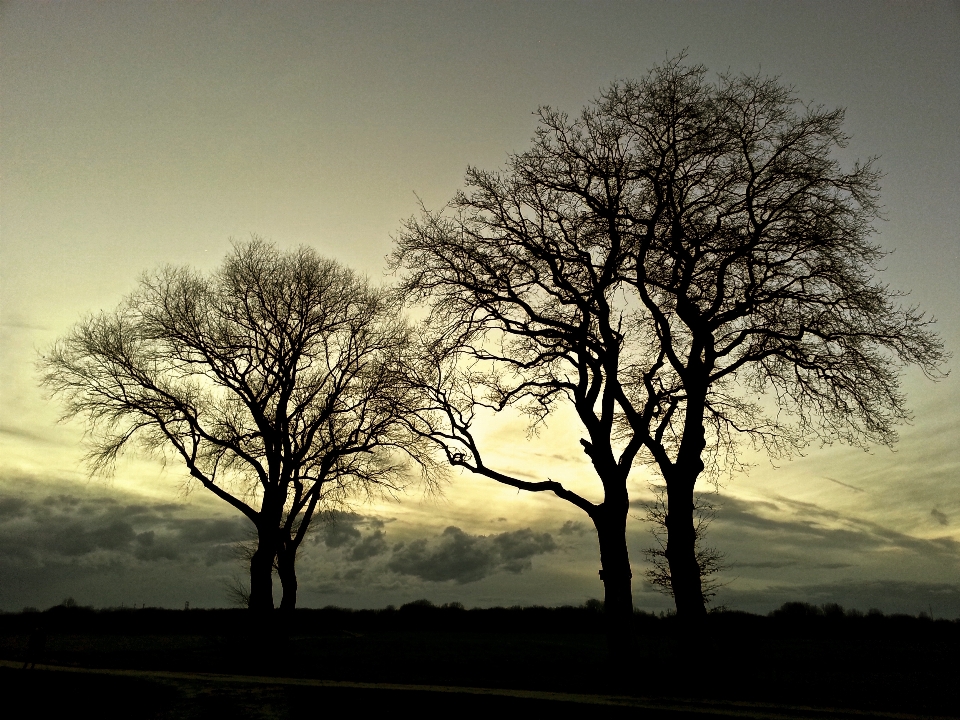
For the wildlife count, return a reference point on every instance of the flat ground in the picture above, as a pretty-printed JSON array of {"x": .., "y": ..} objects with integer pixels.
[{"x": 213, "y": 663}]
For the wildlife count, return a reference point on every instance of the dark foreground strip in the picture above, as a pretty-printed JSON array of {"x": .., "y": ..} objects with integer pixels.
[{"x": 756, "y": 711}]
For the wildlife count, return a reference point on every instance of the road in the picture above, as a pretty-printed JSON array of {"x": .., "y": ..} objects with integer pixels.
[{"x": 54, "y": 691}]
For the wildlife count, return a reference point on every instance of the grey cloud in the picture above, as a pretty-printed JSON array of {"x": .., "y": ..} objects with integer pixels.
[
  {"x": 779, "y": 564},
  {"x": 139, "y": 510},
  {"x": 798, "y": 542},
  {"x": 342, "y": 530},
  {"x": 339, "y": 535},
  {"x": 767, "y": 564},
  {"x": 167, "y": 547},
  {"x": 353, "y": 574},
  {"x": 62, "y": 537},
  {"x": 786, "y": 534},
  {"x": 206, "y": 530},
  {"x": 465, "y": 558},
  {"x": 370, "y": 546},
  {"x": 806, "y": 525},
  {"x": 745, "y": 515},
  {"x": 339, "y": 529},
  {"x": 456, "y": 557},
  {"x": 517, "y": 548},
  {"x": 221, "y": 554},
  {"x": 69, "y": 526},
  {"x": 74, "y": 539},
  {"x": 166, "y": 550},
  {"x": 571, "y": 527},
  {"x": 63, "y": 501},
  {"x": 939, "y": 516},
  {"x": 12, "y": 507}
]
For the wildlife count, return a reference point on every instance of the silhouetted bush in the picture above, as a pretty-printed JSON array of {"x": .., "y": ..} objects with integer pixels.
[
  {"x": 424, "y": 616},
  {"x": 796, "y": 610}
]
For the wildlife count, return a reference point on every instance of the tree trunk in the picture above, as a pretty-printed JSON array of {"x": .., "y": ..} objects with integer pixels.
[
  {"x": 681, "y": 551},
  {"x": 261, "y": 576},
  {"x": 286, "y": 569},
  {"x": 611, "y": 523}
]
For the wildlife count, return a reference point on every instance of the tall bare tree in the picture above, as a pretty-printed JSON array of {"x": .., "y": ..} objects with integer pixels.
[
  {"x": 274, "y": 379},
  {"x": 688, "y": 265},
  {"x": 752, "y": 258}
]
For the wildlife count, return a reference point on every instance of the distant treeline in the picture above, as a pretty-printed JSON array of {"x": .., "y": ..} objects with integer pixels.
[{"x": 424, "y": 615}]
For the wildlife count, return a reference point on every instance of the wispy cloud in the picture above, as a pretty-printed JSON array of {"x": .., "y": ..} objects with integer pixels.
[
  {"x": 23, "y": 434},
  {"x": 16, "y": 324},
  {"x": 846, "y": 485},
  {"x": 810, "y": 523}
]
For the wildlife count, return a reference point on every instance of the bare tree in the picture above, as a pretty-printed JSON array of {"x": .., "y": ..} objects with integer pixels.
[
  {"x": 751, "y": 256},
  {"x": 687, "y": 264},
  {"x": 274, "y": 379},
  {"x": 523, "y": 284}
]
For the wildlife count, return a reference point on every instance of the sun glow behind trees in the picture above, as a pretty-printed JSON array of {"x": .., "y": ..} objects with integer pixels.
[{"x": 144, "y": 134}]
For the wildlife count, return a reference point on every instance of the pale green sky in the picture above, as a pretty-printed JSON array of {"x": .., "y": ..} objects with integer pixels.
[{"x": 137, "y": 134}]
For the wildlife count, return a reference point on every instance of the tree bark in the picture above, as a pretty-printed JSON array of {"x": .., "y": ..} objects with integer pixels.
[
  {"x": 681, "y": 551},
  {"x": 611, "y": 521},
  {"x": 261, "y": 576},
  {"x": 286, "y": 570}
]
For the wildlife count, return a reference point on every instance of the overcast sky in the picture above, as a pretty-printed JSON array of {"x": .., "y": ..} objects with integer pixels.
[{"x": 137, "y": 134}]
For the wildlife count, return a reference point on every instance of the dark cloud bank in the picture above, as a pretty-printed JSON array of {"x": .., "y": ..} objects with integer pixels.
[
  {"x": 813, "y": 531},
  {"x": 107, "y": 550},
  {"x": 784, "y": 550},
  {"x": 454, "y": 555},
  {"x": 464, "y": 558},
  {"x": 62, "y": 527}
]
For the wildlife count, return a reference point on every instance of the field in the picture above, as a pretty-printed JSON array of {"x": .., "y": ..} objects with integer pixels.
[{"x": 739, "y": 664}]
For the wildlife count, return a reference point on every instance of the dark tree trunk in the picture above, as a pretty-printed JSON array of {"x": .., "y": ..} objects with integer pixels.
[
  {"x": 261, "y": 576},
  {"x": 286, "y": 570},
  {"x": 681, "y": 551},
  {"x": 611, "y": 522}
]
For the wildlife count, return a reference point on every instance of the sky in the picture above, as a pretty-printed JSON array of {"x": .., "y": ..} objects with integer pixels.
[{"x": 139, "y": 134}]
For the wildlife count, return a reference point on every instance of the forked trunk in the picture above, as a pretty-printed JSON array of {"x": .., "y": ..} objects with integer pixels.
[
  {"x": 261, "y": 577},
  {"x": 617, "y": 584}
]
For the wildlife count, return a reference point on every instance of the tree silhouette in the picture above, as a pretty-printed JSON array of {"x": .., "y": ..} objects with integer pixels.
[
  {"x": 710, "y": 560},
  {"x": 689, "y": 267},
  {"x": 274, "y": 379}
]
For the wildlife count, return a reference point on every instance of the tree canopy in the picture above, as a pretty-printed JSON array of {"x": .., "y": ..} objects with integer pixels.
[
  {"x": 689, "y": 265},
  {"x": 274, "y": 380}
]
